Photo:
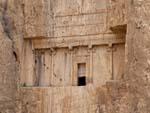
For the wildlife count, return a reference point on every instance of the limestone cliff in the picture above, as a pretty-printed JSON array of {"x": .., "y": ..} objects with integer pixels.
[
  {"x": 9, "y": 55},
  {"x": 30, "y": 29}
]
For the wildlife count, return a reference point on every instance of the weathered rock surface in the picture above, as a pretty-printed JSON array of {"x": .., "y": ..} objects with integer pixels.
[
  {"x": 51, "y": 26},
  {"x": 117, "y": 12},
  {"x": 137, "y": 59},
  {"x": 9, "y": 56},
  {"x": 7, "y": 74}
]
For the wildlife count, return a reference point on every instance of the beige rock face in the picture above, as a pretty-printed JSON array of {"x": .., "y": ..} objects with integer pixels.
[
  {"x": 138, "y": 54},
  {"x": 8, "y": 74},
  {"x": 69, "y": 56},
  {"x": 117, "y": 12},
  {"x": 65, "y": 18},
  {"x": 38, "y": 18},
  {"x": 9, "y": 56}
]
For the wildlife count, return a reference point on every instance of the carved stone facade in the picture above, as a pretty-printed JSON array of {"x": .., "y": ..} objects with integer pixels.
[
  {"x": 75, "y": 37},
  {"x": 74, "y": 56}
]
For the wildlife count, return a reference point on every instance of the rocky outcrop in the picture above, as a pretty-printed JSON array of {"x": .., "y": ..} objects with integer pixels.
[{"x": 9, "y": 55}]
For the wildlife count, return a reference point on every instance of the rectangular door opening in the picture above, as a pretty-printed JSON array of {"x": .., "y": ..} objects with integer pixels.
[
  {"x": 81, "y": 74},
  {"x": 82, "y": 81}
]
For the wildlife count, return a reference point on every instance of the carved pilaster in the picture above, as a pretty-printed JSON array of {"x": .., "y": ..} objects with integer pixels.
[
  {"x": 71, "y": 52},
  {"x": 111, "y": 50},
  {"x": 91, "y": 50},
  {"x": 74, "y": 76}
]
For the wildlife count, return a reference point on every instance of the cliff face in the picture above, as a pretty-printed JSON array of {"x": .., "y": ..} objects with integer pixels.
[
  {"x": 22, "y": 19},
  {"x": 9, "y": 55},
  {"x": 8, "y": 74},
  {"x": 137, "y": 59},
  {"x": 137, "y": 78}
]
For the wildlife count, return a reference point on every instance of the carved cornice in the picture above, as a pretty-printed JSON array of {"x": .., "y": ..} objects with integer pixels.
[{"x": 71, "y": 43}]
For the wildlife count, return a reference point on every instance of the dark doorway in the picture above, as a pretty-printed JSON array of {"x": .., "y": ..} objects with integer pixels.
[
  {"x": 81, "y": 74},
  {"x": 82, "y": 81}
]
